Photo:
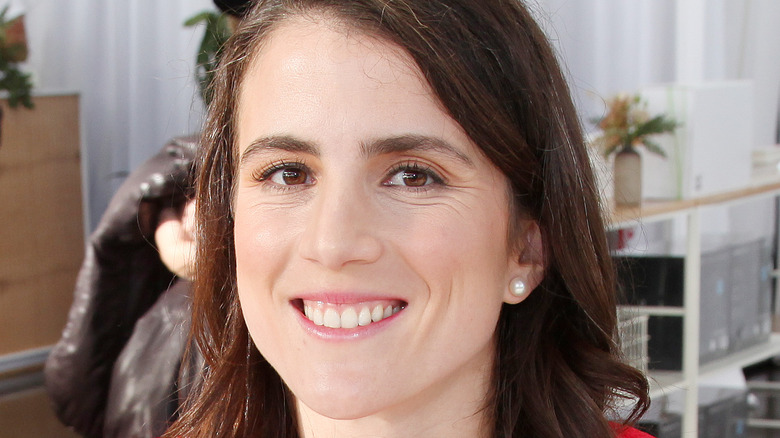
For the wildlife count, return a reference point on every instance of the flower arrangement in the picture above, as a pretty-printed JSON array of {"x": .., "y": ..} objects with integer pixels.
[
  {"x": 13, "y": 49},
  {"x": 627, "y": 124}
]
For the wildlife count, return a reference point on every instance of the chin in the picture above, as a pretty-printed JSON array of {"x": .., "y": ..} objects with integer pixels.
[
  {"x": 348, "y": 402},
  {"x": 336, "y": 411}
]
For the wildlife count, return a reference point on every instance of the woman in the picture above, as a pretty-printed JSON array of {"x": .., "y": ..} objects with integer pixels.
[{"x": 399, "y": 233}]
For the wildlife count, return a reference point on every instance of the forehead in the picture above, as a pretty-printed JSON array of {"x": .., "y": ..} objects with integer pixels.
[
  {"x": 304, "y": 43},
  {"x": 311, "y": 70}
]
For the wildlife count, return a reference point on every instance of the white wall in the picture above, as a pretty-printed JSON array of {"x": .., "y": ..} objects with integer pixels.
[
  {"x": 612, "y": 46},
  {"x": 132, "y": 62}
]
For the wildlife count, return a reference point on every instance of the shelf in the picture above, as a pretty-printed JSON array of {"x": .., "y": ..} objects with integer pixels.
[
  {"x": 761, "y": 185},
  {"x": 761, "y": 423},
  {"x": 663, "y": 382},
  {"x": 653, "y": 310},
  {"x": 746, "y": 357}
]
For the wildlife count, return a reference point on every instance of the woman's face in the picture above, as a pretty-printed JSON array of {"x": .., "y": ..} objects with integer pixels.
[{"x": 370, "y": 232}]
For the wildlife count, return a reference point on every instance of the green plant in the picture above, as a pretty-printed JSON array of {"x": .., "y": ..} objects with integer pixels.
[
  {"x": 13, "y": 49},
  {"x": 216, "y": 34},
  {"x": 628, "y": 124}
]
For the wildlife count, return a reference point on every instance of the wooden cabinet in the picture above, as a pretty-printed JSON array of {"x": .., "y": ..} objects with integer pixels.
[{"x": 41, "y": 225}]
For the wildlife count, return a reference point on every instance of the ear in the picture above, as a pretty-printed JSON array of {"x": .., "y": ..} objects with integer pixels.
[{"x": 527, "y": 266}]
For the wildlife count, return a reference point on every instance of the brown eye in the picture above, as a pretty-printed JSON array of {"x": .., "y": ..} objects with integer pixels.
[
  {"x": 294, "y": 176},
  {"x": 414, "y": 176},
  {"x": 415, "y": 179},
  {"x": 289, "y": 175}
]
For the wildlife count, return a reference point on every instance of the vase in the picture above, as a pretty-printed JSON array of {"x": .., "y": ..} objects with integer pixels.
[{"x": 628, "y": 177}]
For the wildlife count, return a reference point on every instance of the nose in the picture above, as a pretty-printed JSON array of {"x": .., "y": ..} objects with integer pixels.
[{"x": 341, "y": 230}]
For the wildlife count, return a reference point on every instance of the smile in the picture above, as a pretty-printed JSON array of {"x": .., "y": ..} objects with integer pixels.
[{"x": 348, "y": 316}]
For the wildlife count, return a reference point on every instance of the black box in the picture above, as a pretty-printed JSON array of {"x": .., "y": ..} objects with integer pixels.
[
  {"x": 668, "y": 425},
  {"x": 659, "y": 281},
  {"x": 749, "y": 309},
  {"x": 725, "y": 416},
  {"x": 656, "y": 281},
  {"x": 651, "y": 280},
  {"x": 715, "y": 301}
]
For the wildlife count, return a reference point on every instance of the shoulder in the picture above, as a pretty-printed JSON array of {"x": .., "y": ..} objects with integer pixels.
[{"x": 622, "y": 431}]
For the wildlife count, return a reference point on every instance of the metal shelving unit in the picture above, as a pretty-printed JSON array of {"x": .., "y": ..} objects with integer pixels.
[{"x": 690, "y": 209}]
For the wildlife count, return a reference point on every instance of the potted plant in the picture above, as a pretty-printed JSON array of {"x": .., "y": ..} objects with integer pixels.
[
  {"x": 13, "y": 50},
  {"x": 219, "y": 27},
  {"x": 627, "y": 126}
]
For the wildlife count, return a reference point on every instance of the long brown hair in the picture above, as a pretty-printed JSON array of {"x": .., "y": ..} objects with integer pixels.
[{"x": 557, "y": 369}]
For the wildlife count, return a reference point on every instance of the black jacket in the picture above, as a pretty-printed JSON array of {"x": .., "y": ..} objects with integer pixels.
[{"x": 114, "y": 373}]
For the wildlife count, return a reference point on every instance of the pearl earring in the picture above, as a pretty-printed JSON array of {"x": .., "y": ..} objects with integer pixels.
[{"x": 517, "y": 287}]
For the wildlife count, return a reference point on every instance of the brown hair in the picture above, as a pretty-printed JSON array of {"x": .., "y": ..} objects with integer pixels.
[{"x": 557, "y": 369}]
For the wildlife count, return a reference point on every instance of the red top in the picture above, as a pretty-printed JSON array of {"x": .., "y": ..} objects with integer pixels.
[{"x": 630, "y": 432}]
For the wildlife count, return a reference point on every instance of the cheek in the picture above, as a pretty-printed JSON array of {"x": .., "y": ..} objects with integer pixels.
[
  {"x": 263, "y": 237},
  {"x": 467, "y": 249},
  {"x": 252, "y": 272},
  {"x": 463, "y": 261},
  {"x": 255, "y": 271},
  {"x": 463, "y": 272},
  {"x": 262, "y": 245}
]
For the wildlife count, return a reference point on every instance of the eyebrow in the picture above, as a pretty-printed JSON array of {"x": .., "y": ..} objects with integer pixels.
[
  {"x": 383, "y": 146},
  {"x": 411, "y": 142},
  {"x": 278, "y": 142}
]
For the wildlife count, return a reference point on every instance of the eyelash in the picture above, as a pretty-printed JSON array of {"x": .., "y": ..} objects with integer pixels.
[
  {"x": 415, "y": 167},
  {"x": 409, "y": 166},
  {"x": 265, "y": 174}
]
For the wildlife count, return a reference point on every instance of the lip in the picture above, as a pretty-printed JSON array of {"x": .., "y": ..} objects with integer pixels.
[
  {"x": 341, "y": 334},
  {"x": 345, "y": 298}
]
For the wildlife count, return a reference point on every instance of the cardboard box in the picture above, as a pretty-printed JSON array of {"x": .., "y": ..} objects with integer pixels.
[{"x": 41, "y": 231}]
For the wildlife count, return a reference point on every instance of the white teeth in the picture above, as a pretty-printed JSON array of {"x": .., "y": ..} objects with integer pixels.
[
  {"x": 349, "y": 318},
  {"x": 377, "y": 313},
  {"x": 316, "y": 316},
  {"x": 365, "y": 317},
  {"x": 332, "y": 319}
]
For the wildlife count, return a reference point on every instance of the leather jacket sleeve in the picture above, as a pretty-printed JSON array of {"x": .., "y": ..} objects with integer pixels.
[
  {"x": 143, "y": 398},
  {"x": 120, "y": 278}
]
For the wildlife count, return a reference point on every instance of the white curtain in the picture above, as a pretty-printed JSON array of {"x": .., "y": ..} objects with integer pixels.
[
  {"x": 132, "y": 62},
  {"x": 611, "y": 46}
]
